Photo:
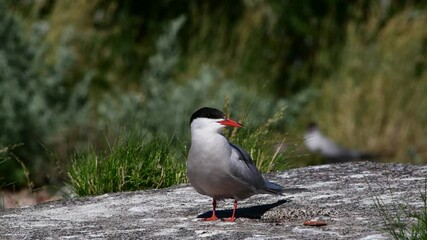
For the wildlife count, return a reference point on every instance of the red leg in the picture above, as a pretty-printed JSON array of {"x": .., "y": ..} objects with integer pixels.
[
  {"x": 213, "y": 217},
  {"x": 232, "y": 218}
]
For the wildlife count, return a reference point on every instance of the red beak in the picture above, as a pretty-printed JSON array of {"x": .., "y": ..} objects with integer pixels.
[{"x": 229, "y": 122}]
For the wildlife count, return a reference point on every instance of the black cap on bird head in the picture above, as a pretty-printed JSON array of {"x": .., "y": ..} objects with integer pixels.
[{"x": 207, "y": 112}]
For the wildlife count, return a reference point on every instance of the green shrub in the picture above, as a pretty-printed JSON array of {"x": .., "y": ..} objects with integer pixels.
[
  {"x": 161, "y": 105},
  {"x": 35, "y": 99}
]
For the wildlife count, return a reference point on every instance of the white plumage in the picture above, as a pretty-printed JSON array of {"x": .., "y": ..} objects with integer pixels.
[{"x": 218, "y": 168}]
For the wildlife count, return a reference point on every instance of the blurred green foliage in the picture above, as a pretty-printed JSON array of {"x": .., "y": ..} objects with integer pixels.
[
  {"x": 378, "y": 92},
  {"x": 71, "y": 69},
  {"x": 34, "y": 98},
  {"x": 269, "y": 44}
]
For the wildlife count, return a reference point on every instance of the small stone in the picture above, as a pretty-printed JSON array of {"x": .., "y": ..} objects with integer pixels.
[{"x": 315, "y": 223}]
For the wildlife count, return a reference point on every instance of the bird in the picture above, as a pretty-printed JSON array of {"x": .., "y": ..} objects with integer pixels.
[
  {"x": 218, "y": 168},
  {"x": 318, "y": 143}
]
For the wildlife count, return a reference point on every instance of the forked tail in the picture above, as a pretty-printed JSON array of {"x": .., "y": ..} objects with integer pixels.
[{"x": 273, "y": 188}]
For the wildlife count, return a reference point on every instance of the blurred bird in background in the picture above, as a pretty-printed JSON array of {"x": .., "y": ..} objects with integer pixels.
[{"x": 317, "y": 143}]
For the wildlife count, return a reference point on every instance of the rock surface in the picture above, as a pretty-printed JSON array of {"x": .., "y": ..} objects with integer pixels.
[{"x": 341, "y": 195}]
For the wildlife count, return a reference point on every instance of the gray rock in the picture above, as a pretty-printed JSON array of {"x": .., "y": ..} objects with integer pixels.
[{"x": 342, "y": 195}]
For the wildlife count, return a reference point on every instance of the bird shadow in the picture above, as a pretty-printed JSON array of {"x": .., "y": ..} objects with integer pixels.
[{"x": 254, "y": 212}]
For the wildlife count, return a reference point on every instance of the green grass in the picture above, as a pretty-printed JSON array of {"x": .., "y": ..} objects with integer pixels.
[
  {"x": 133, "y": 163},
  {"x": 260, "y": 141},
  {"x": 137, "y": 161},
  {"x": 402, "y": 221}
]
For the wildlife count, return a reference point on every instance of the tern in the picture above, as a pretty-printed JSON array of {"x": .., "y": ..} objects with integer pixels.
[
  {"x": 316, "y": 142},
  {"x": 218, "y": 168}
]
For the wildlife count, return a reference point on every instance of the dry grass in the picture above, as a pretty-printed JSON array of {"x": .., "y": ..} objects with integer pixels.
[{"x": 376, "y": 99}]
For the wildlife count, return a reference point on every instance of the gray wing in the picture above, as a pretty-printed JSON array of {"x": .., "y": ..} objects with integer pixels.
[{"x": 243, "y": 168}]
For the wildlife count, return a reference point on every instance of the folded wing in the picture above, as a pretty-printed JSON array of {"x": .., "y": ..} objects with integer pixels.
[{"x": 244, "y": 169}]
